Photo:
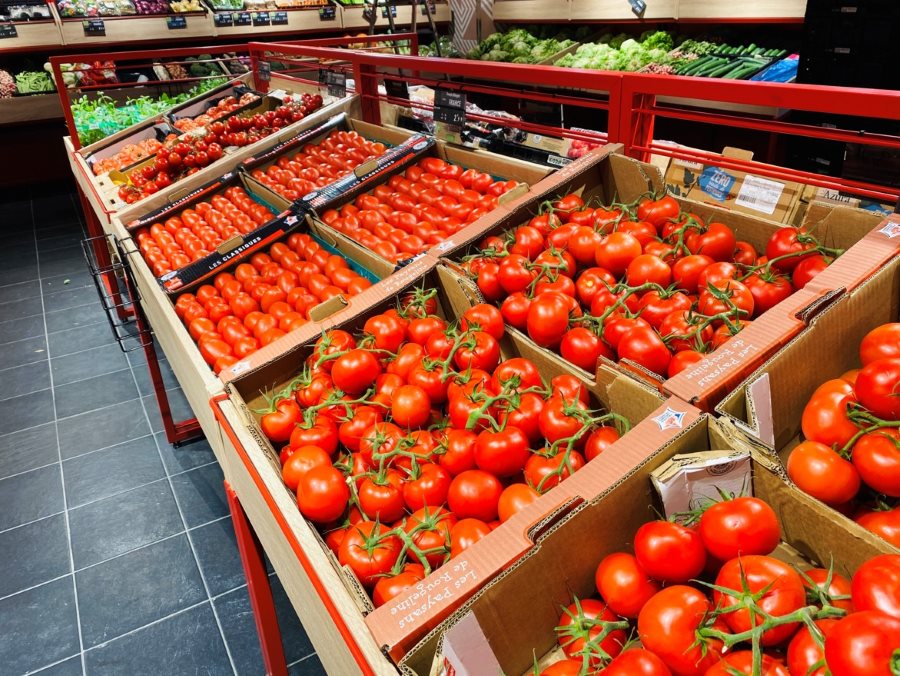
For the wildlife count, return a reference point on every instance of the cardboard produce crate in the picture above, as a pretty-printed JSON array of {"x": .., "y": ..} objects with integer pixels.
[
  {"x": 399, "y": 624},
  {"x": 605, "y": 174},
  {"x": 563, "y": 562}
]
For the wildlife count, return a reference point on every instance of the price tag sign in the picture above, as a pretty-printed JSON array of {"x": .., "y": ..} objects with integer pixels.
[
  {"x": 223, "y": 19},
  {"x": 261, "y": 19},
  {"x": 8, "y": 30},
  {"x": 242, "y": 19},
  {"x": 176, "y": 22},
  {"x": 428, "y": 8},
  {"x": 279, "y": 19},
  {"x": 94, "y": 27},
  {"x": 393, "y": 10},
  {"x": 335, "y": 84},
  {"x": 397, "y": 89},
  {"x": 328, "y": 13},
  {"x": 450, "y": 107},
  {"x": 265, "y": 71},
  {"x": 638, "y": 7}
]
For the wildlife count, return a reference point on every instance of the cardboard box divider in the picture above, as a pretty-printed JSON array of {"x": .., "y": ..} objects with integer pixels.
[
  {"x": 399, "y": 623},
  {"x": 563, "y": 562}
]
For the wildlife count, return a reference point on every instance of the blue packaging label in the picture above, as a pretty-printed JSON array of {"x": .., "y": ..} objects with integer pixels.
[{"x": 716, "y": 183}]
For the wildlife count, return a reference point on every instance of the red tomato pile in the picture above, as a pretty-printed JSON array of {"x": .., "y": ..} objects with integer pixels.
[
  {"x": 417, "y": 209},
  {"x": 851, "y": 426},
  {"x": 653, "y": 285},
  {"x": 410, "y": 442},
  {"x": 317, "y": 165},
  {"x": 264, "y": 299},
  {"x": 189, "y": 153},
  {"x": 702, "y": 598},
  {"x": 197, "y": 231},
  {"x": 222, "y": 108}
]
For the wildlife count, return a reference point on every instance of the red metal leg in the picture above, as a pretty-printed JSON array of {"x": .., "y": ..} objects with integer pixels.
[{"x": 258, "y": 587}]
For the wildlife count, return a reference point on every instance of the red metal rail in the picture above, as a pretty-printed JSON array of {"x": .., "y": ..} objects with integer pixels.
[{"x": 632, "y": 101}]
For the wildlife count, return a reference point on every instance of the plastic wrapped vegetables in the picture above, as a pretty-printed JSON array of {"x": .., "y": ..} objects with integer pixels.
[
  {"x": 621, "y": 52},
  {"x": 518, "y": 46}
]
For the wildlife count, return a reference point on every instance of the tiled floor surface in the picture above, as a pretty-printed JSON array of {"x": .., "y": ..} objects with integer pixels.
[{"x": 117, "y": 554}]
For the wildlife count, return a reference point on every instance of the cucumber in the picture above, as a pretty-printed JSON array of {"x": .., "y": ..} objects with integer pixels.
[
  {"x": 721, "y": 70},
  {"x": 712, "y": 67}
]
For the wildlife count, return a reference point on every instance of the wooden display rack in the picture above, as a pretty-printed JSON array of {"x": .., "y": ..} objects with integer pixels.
[
  {"x": 620, "y": 10},
  {"x": 31, "y": 35},
  {"x": 136, "y": 28},
  {"x": 532, "y": 10},
  {"x": 299, "y": 20},
  {"x": 34, "y": 108},
  {"x": 727, "y": 9},
  {"x": 352, "y": 16}
]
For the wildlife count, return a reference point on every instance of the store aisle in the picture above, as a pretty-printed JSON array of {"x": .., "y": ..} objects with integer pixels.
[{"x": 116, "y": 550}]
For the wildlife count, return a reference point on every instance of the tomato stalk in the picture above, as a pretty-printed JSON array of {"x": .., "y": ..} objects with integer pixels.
[
  {"x": 335, "y": 398},
  {"x": 581, "y": 629},
  {"x": 409, "y": 546},
  {"x": 860, "y": 417}
]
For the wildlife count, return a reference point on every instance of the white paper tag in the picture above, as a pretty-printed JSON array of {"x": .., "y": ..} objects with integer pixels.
[{"x": 759, "y": 194}]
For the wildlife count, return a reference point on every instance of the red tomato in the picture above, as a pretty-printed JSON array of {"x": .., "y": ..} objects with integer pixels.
[
  {"x": 876, "y": 456},
  {"x": 515, "y": 498},
  {"x": 737, "y": 527},
  {"x": 825, "y": 475},
  {"x": 637, "y": 662},
  {"x": 465, "y": 534},
  {"x": 882, "y": 342},
  {"x": 502, "y": 453},
  {"x": 279, "y": 424},
  {"x": 878, "y": 388},
  {"x": 648, "y": 269},
  {"x": 863, "y": 644},
  {"x": 804, "y": 652},
  {"x": 885, "y": 524},
  {"x": 741, "y": 662},
  {"x": 322, "y": 494},
  {"x": 669, "y": 552},
  {"x": 410, "y": 406},
  {"x": 624, "y": 584},
  {"x": 582, "y": 623},
  {"x": 369, "y": 551},
  {"x": 876, "y": 585},
  {"x": 475, "y": 494},
  {"x": 833, "y": 584}
]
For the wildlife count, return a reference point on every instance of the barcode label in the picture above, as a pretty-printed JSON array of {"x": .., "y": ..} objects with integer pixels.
[
  {"x": 760, "y": 194},
  {"x": 558, "y": 161}
]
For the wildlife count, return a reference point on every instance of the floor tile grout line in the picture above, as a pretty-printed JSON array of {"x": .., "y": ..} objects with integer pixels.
[
  {"x": 26, "y": 471},
  {"x": 51, "y": 665},
  {"x": 29, "y": 523},
  {"x": 190, "y": 541},
  {"x": 62, "y": 471},
  {"x": 71, "y": 382},
  {"x": 35, "y": 586}
]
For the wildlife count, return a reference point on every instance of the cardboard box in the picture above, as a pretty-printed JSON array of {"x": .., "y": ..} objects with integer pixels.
[
  {"x": 400, "y": 623},
  {"x": 477, "y": 639},
  {"x": 733, "y": 189}
]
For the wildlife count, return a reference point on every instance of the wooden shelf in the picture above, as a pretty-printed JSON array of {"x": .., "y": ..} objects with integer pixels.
[
  {"x": 299, "y": 20},
  {"x": 532, "y": 10},
  {"x": 31, "y": 35},
  {"x": 620, "y": 10},
  {"x": 729, "y": 9},
  {"x": 136, "y": 28},
  {"x": 352, "y": 16},
  {"x": 34, "y": 108}
]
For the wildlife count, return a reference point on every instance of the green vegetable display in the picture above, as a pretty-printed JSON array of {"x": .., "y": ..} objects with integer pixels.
[
  {"x": 97, "y": 118},
  {"x": 523, "y": 46},
  {"x": 732, "y": 63},
  {"x": 33, "y": 82},
  {"x": 621, "y": 52}
]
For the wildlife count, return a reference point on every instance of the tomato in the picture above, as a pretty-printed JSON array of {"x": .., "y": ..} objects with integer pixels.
[
  {"x": 624, "y": 585},
  {"x": 381, "y": 497},
  {"x": 430, "y": 528},
  {"x": 667, "y": 626},
  {"x": 637, "y": 662},
  {"x": 421, "y": 329},
  {"x": 876, "y": 456},
  {"x": 741, "y": 526},
  {"x": 643, "y": 346},
  {"x": 741, "y": 662},
  {"x": 686, "y": 271},
  {"x": 475, "y": 494},
  {"x": 885, "y": 524},
  {"x": 369, "y": 551},
  {"x": 278, "y": 424},
  {"x": 392, "y": 586},
  {"x": 569, "y": 388},
  {"x": 876, "y": 585},
  {"x": 502, "y": 453},
  {"x": 599, "y": 440},
  {"x": 669, "y": 552},
  {"x": 807, "y": 269},
  {"x": 565, "y": 667},
  {"x": 514, "y": 274},
  {"x": 682, "y": 361},
  {"x": 322, "y": 433},
  {"x": 379, "y": 440},
  {"x": 726, "y": 296},
  {"x": 583, "y": 348},
  {"x": 332, "y": 342},
  {"x": 825, "y": 475},
  {"x": 882, "y": 342},
  {"x": 480, "y": 350},
  {"x": 717, "y": 241},
  {"x": 410, "y": 406},
  {"x": 355, "y": 371},
  {"x": 300, "y": 462},
  {"x": 804, "y": 652},
  {"x": 655, "y": 307},
  {"x": 878, "y": 388},
  {"x": 515, "y": 310},
  {"x": 616, "y": 251},
  {"x": 426, "y": 487},
  {"x": 515, "y": 498},
  {"x": 782, "y": 588},
  {"x": 768, "y": 292},
  {"x": 580, "y": 627},
  {"x": 528, "y": 242},
  {"x": 648, "y": 269},
  {"x": 458, "y": 451},
  {"x": 838, "y": 586},
  {"x": 791, "y": 243},
  {"x": 515, "y": 375},
  {"x": 863, "y": 644},
  {"x": 322, "y": 494},
  {"x": 825, "y": 418},
  {"x": 465, "y": 534},
  {"x": 483, "y": 317},
  {"x": 548, "y": 318},
  {"x": 658, "y": 212},
  {"x": 388, "y": 331},
  {"x": 543, "y": 472}
]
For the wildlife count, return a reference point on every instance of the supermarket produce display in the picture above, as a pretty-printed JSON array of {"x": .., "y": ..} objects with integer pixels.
[{"x": 444, "y": 357}]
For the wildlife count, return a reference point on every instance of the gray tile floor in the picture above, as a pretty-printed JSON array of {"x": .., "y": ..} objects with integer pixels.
[{"x": 116, "y": 549}]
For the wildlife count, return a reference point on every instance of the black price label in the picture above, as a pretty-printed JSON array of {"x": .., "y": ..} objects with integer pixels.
[
  {"x": 279, "y": 19},
  {"x": 335, "y": 84},
  {"x": 265, "y": 71},
  {"x": 428, "y": 8},
  {"x": 328, "y": 13},
  {"x": 94, "y": 27},
  {"x": 452, "y": 116},
  {"x": 369, "y": 15},
  {"x": 393, "y": 10},
  {"x": 8, "y": 30},
  {"x": 397, "y": 89},
  {"x": 261, "y": 19},
  {"x": 176, "y": 22},
  {"x": 638, "y": 7},
  {"x": 450, "y": 107},
  {"x": 223, "y": 19},
  {"x": 242, "y": 19}
]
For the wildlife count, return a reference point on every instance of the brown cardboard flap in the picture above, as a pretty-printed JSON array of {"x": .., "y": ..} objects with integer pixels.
[
  {"x": 737, "y": 153},
  {"x": 327, "y": 308},
  {"x": 230, "y": 244}
]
